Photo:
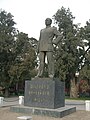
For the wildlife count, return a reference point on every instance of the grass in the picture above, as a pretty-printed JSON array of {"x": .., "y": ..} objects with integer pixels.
[{"x": 79, "y": 98}]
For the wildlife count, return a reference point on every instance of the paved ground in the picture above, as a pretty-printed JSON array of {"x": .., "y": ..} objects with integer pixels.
[
  {"x": 79, "y": 104},
  {"x": 80, "y": 114},
  {"x": 5, "y": 114}
]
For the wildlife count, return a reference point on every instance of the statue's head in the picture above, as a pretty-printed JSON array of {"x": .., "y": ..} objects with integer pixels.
[{"x": 48, "y": 21}]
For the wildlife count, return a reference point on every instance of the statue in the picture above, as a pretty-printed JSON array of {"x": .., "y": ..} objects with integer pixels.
[{"x": 48, "y": 37}]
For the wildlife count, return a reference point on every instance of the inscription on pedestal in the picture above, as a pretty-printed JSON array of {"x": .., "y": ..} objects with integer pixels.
[{"x": 44, "y": 92}]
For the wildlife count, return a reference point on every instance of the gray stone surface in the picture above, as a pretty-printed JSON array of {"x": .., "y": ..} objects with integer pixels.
[
  {"x": 44, "y": 93},
  {"x": 58, "y": 113},
  {"x": 12, "y": 101}
]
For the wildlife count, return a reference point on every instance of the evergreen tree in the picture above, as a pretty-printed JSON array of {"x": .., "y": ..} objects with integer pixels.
[
  {"x": 68, "y": 51},
  {"x": 17, "y": 56}
]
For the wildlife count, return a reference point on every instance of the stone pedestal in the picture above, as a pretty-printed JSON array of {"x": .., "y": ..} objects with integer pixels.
[
  {"x": 57, "y": 113},
  {"x": 45, "y": 97},
  {"x": 44, "y": 93}
]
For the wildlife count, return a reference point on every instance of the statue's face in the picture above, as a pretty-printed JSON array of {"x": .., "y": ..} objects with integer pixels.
[{"x": 48, "y": 21}]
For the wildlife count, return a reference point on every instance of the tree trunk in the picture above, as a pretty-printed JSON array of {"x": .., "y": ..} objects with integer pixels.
[
  {"x": 73, "y": 88},
  {"x": 6, "y": 92}
]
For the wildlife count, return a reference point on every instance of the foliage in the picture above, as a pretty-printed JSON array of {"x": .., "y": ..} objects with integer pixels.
[
  {"x": 67, "y": 53},
  {"x": 85, "y": 71},
  {"x": 25, "y": 58},
  {"x": 71, "y": 55},
  {"x": 7, "y": 33},
  {"x": 17, "y": 56},
  {"x": 64, "y": 19},
  {"x": 84, "y": 86}
]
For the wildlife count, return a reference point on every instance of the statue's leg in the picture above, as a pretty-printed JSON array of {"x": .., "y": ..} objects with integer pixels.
[
  {"x": 41, "y": 66},
  {"x": 50, "y": 61}
]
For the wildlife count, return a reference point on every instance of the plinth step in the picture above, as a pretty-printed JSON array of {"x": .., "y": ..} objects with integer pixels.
[{"x": 58, "y": 113}]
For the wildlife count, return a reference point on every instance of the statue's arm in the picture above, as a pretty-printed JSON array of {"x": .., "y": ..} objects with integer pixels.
[{"x": 58, "y": 36}]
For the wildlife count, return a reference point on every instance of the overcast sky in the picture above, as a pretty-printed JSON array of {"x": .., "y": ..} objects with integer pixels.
[{"x": 31, "y": 14}]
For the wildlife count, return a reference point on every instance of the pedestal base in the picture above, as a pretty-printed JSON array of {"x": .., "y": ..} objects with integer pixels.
[
  {"x": 58, "y": 113},
  {"x": 44, "y": 93}
]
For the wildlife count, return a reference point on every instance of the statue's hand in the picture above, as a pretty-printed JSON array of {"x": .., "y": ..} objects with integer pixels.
[
  {"x": 57, "y": 39},
  {"x": 54, "y": 42}
]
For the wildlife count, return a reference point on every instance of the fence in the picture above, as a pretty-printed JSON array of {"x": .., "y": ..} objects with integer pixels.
[{"x": 20, "y": 101}]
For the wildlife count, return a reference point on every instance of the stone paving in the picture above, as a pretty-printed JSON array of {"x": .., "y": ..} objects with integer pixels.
[
  {"x": 79, "y": 104},
  {"x": 80, "y": 114}
]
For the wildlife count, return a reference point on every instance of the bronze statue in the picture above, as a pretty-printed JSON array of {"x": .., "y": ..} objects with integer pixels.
[{"x": 48, "y": 37}]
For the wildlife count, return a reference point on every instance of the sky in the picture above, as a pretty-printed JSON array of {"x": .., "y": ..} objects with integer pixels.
[{"x": 31, "y": 14}]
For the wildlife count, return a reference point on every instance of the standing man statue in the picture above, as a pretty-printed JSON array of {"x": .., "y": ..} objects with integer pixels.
[{"x": 48, "y": 37}]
